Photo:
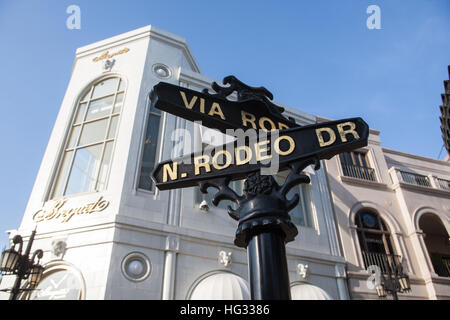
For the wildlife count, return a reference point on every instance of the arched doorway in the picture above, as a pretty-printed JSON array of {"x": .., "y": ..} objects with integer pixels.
[{"x": 437, "y": 242}]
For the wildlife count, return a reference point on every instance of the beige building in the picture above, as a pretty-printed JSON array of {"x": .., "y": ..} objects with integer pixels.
[{"x": 393, "y": 206}]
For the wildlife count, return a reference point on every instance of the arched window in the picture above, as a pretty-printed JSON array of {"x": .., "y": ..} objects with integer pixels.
[
  {"x": 437, "y": 242},
  {"x": 87, "y": 153},
  {"x": 375, "y": 240}
]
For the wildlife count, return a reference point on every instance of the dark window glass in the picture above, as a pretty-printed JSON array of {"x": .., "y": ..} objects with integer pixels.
[{"x": 149, "y": 153}]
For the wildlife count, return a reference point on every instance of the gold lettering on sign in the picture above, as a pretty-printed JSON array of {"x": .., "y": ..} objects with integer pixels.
[
  {"x": 343, "y": 129},
  {"x": 259, "y": 151},
  {"x": 204, "y": 164},
  {"x": 228, "y": 159},
  {"x": 330, "y": 141},
  {"x": 106, "y": 55},
  {"x": 187, "y": 104},
  {"x": 264, "y": 123},
  {"x": 172, "y": 172},
  {"x": 351, "y": 130},
  {"x": 276, "y": 146},
  {"x": 248, "y": 155},
  {"x": 215, "y": 109},
  {"x": 57, "y": 211}
]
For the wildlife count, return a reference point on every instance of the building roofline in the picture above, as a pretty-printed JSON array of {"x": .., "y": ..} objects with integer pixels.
[
  {"x": 414, "y": 156},
  {"x": 147, "y": 31}
]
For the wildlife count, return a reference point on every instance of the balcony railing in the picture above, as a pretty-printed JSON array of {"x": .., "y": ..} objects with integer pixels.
[
  {"x": 414, "y": 178},
  {"x": 443, "y": 184},
  {"x": 382, "y": 260},
  {"x": 358, "y": 172}
]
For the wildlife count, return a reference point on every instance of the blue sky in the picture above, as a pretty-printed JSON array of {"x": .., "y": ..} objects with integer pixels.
[{"x": 317, "y": 56}]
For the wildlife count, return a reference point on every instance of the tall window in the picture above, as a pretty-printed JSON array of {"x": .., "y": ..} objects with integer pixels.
[
  {"x": 375, "y": 240},
  {"x": 149, "y": 152},
  {"x": 88, "y": 150},
  {"x": 356, "y": 165}
]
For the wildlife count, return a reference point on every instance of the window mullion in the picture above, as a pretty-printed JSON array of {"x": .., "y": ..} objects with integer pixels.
[{"x": 108, "y": 127}]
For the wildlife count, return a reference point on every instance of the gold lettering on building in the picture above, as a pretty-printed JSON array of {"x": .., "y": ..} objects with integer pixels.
[
  {"x": 106, "y": 54},
  {"x": 57, "y": 211}
]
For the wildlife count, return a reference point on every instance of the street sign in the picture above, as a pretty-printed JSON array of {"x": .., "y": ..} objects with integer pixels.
[
  {"x": 236, "y": 160},
  {"x": 264, "y": 223},
  {"x": 215, "y": 111}
]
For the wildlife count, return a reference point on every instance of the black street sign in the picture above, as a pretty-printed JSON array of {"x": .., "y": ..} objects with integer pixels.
[
  {"x": 264, "y": 223},
  {"x": 217, "y": 112},
  {"x": 236, "y": 160}
]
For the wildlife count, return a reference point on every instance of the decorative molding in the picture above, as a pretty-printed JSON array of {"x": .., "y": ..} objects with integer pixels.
[
  {"x": 59, "y": 247},
  {"x": 108, "y": 64},
  {"x": 340, "y": 271},
  {"x": 414, "y": 156},
  {"x": 421, "y": 189},
  {"x": 302, "y": 270},
  {"x": 365, "y": 183},
  {"x": 225, "y": 258},
  {"x": 172, "y": 243}
]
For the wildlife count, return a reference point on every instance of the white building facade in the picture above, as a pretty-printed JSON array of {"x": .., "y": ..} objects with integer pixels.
[
  {"x": 107, "y": 233},
  {"x": 393, "y": 206}
]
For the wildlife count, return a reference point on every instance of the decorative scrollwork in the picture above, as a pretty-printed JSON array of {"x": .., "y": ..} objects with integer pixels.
[
  {"x": 263, "y": 204},
  {"x": 244, "y": 93}
]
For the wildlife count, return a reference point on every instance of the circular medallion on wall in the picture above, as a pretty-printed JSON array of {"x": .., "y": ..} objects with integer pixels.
[
  {"x": 161, "y": 71},
  {"x": 136, "y": 267}
]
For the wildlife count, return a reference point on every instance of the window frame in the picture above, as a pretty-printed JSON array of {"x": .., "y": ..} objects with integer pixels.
[
  {"x": 85, "y": 97},
  {"x": 369, "y": 162},
  {"x": 386, "y": 236},
  {"x": 158, "y": 151}
]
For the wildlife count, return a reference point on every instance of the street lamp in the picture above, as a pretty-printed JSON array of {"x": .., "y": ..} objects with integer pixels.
[
  {"x": 396, "y": 281},
  {"x": 13, "y": 262}
]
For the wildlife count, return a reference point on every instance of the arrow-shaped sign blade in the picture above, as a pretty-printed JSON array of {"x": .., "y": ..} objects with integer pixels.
[
  {"x": 237, "y": 159},
  {"x": 218, "y": 112}
]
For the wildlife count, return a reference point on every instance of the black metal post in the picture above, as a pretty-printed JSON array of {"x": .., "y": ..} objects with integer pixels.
[
  {"x": 264, "y": 228},
  {"x": 393, "y": 284},
  {"x": 268, "y": 271},
  {"x": 24, "y": 264}
]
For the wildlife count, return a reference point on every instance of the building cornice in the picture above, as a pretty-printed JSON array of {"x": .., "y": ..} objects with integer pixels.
[
  {"x": 144, "y": 32},
  {"x": 421, "y": 189},
  {"x": 415, "y": 157}
]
